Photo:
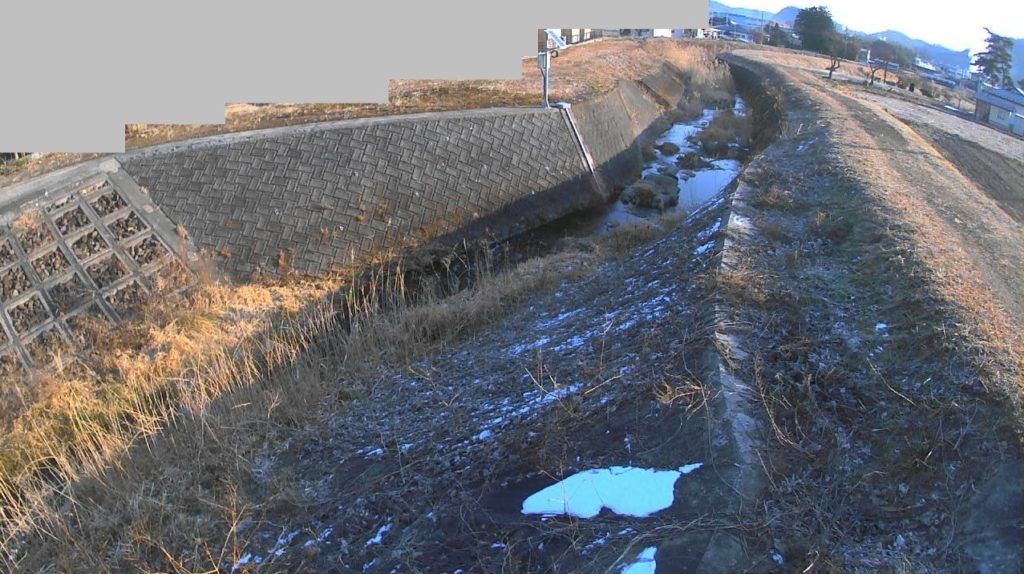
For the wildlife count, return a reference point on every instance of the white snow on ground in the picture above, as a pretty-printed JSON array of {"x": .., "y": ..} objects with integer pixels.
[
  {"x": 282, "y": 542},
  {"x": 377, "y": 538},
  {"x": 319, "y": 538},
  {"x": 624, "y": 490},
  {"x": 544, "y": 325},
  {"x": 533, "y": 400},
  {"x": 245, "y": 559},
  {"x": 704, "y": 248},
  {"x": 519, "y": 349},
  {"x": 803, "y": 146},
  {"x": 572, "y": 343},
  {"x": 644, "y": 563},
  {"x": 706, "y": 233}
]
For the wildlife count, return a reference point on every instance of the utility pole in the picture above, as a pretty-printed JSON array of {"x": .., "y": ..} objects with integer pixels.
[{"x": 544, "y": 60}]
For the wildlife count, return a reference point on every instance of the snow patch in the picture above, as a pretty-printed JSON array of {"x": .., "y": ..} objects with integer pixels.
[
  {"x": 377, "y": 538},
  {"x": 701, "y": 250},
  {"x": 520, "y": 349},
  {"x": 283, "y": 541},
  {"x": 644, "y": 563},
  {"x": 245, "y": 559},
  {"x": 319, "y": 538},
  {"x": 558, "y": 320},
  {"x": 624, "y": 490}
]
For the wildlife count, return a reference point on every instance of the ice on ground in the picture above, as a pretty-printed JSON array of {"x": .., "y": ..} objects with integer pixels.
[
  {"x": 558, "y": 320},
  {"x": 377, "y": 538},
  {"x": 519, "y": 349},
  {"x": 704, "y": 248},
  {"x": 624, "y": 490},
  {"x": 533, "y": 401},
  {"x": 601, "y": 541},
  {"x": 705, "y": 234},
  {"x": 245, "y": 559},
  {"x": 282, "y": 542},
  {"x": 572, "y": 343},
  {"x": 319, "y": 538},
  {"x": 644, "y": 563}
]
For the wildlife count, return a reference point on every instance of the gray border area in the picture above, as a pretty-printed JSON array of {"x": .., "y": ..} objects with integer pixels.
[{"x": 180, "y": 62}]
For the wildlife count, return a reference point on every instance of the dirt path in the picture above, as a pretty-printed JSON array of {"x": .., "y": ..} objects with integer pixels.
[
  {"x": 886, "y": 318},
  {"x": 992, "y": 160}
]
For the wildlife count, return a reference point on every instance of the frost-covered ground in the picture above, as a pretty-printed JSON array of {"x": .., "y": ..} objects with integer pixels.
[
  {"x": 568, "y": 433},
  {"x": 600, "y": 382}
]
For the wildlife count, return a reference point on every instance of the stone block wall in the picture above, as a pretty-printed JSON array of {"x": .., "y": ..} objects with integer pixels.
[{"x": 317, "y": 197}]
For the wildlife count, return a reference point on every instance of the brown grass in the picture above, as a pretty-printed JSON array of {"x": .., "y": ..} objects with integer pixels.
[
  {"x": 726, "y": 128},
  {"x": 224, "y": 359},
  {"x": 140, "y": 450},
  {"x": 580, "y": 72}
]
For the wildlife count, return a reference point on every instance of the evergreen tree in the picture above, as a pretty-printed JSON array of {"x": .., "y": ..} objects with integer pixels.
[
  {"x": 995, "y": 61},
  {"x": 816, "y": 29}
]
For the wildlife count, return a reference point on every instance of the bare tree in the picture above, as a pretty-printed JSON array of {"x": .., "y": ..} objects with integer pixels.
[
  {"x": 876, "y": 65},
  {"x": 833, "y": 65}
]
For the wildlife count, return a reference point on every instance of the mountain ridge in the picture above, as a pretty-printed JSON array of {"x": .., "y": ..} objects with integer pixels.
[{"x": 935, "y": 53}]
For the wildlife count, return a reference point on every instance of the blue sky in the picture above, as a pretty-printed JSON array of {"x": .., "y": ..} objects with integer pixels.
[{"x": 955, "y": 25}]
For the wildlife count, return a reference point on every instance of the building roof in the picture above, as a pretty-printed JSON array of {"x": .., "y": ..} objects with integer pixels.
[{"x": 1001, "y": 97}]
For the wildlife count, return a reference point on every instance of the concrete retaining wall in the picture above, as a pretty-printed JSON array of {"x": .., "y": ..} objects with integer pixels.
[
  {"x": 316, "y": 197},
  {"x": 614, "y": 126}
]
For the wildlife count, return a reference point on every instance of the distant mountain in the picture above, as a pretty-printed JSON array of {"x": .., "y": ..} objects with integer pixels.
[
  {"x": 929, "y": 52},
  {"x": 787, "y": 14},
  {"x": 1018, "y": 59},
  {"x": 715, "y": 6},
  {"x": 933, "y": 53}
]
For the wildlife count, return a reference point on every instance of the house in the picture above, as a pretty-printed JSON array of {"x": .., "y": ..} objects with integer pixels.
[
  {"x": 1000, "y": 107},
  {"x": 576, "y": 35},
  {"x": 735, "y": 35},
  {"x": 569, "y": 36},
  {"x": 695, "y": 33}
]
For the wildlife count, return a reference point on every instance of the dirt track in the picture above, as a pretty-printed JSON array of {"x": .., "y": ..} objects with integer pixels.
[{"x": 892, "y": 319}]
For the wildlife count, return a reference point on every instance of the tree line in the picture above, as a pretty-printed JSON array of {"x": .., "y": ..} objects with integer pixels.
[{"x": 818, "y": 33}]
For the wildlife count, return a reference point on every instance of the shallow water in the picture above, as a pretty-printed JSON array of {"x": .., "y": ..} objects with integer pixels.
[{"x": 695, "y": 188}]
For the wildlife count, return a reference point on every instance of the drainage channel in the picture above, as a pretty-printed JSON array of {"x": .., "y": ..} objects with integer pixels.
[{"x": 681, "y": 167}]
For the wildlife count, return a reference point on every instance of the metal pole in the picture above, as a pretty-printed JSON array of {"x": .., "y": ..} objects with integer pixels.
[{"x": 544, "y": 60}]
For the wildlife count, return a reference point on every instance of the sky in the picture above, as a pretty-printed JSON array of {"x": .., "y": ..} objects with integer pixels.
[{"x": 955, "y": 25}]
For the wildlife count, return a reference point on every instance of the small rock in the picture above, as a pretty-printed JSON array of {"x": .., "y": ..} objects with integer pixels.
[
  {"x": 691, "y": 161},
  {"x": 668, "y": 148}
]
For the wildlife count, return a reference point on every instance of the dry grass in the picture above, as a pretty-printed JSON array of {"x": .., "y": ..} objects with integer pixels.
[
  {"x": 140, "y": 452},
  {"x": 28, "y": 220},
  {"x": 917, "y": 406},
  {"x": 134, "y": 432},
  {"x": 580, "y": 72},
  {"x": 726, "y": 128}
]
